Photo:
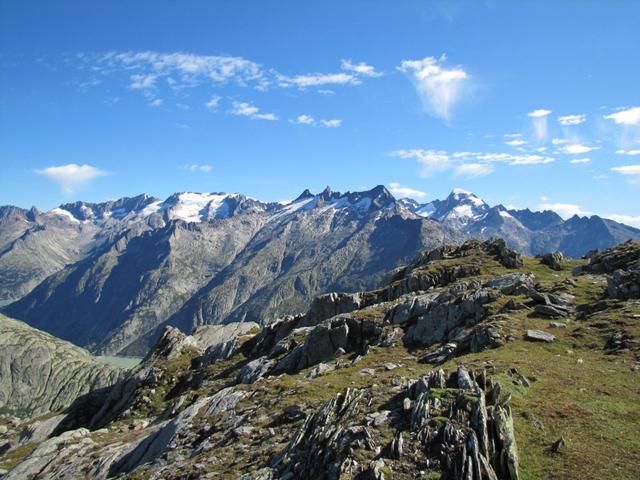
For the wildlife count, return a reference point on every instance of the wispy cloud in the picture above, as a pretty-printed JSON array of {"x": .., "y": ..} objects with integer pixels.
[
  {"x": 634, "y": 221},
  {"x": 331, "y": 123},
  {"x": 515, "y": 142},
  {"x": 473, "y": 170},
  {"x": 304, "y": 120},
  {"x": 628, "y": 152},
  {"x": 150, "y": 72},
  {"x": 439, "y": 87},
  {"x": 565, "y": 210},
  {"x": 430, "y": 161},
  {"x": 629, "y": 116},
  {"x": 572, "y": 119},
  {"x": 576, "y": 149},
  {"x": 141, "y": 82},
  {"x": 204, "y": 168},
  {"x": 213, "y": 102},
  {"x": 318, "y": 79},
  {"x": 245, "y": 109},
  {"x": 467, "y": 164},
  {"x": 539, "y": 119},
  {"x": 631, "y": 171},
  {"x": 627, "y": 169},
  {"x": 72, "y": 176},
  {"x": 579, "y": 161},
  {"x": 309, "y": 120},
  {"x": 360, "y": 68},
  {"x": 401, "y": 192}
]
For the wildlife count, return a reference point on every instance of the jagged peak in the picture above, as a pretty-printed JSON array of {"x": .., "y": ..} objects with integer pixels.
[{"x": 304, "y": 195}]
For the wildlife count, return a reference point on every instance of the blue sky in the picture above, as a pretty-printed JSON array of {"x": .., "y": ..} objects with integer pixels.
[{"x": 530, "y": 104}]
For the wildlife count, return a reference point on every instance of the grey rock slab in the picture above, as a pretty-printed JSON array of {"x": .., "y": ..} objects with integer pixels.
[{"x": 539, "y": 336}]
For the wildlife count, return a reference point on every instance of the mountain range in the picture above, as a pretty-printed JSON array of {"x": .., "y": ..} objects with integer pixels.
[{"x": 110, "y": 276}]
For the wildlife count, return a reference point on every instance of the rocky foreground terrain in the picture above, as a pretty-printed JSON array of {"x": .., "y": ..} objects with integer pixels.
[{"x": 472, "y": 362}]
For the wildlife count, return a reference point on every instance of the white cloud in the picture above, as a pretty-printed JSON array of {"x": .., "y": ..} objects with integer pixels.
[
  {"x": 628, "y": 152},
  {"x": 472, "y": 170},
  {"x": 331, "y": 123},
  {"x": 559, "y": 141},
  {"x": 626, "y": 219},
  {"x": 197, "y": 168},
  {"x": 515, "y": 142},
  {"x": 401, "y": 192},
  {"x": 572, "y": 119},
  {"x": 318, "y": 79},
  {"x": 430, "y": 161},
  {"x": 213, "y": 103},
  {"x": 156, "y": 102},
  {"x": 304, "y": 120},
  {"x": 326, "y": 92},
  {"x": 245, "y": 109},
  {"x": 522, "y": 159},
  {"x": 439, "y": 88},
  {"x": 544, "y": 198},
  {"x": 630, "y": 116},
  {"x": 602, "y": 176},
  {"x": 565, "y": 210},
  {"x": 186, "y": 68},
  {"x": 577, "y": 149},
  {"x": 578, "y": 161},
  {"x": 360, "y": 68},
  {"x": 141, "y": 82},
  {"x": 627, "y": 169},
  {"x": 541, "y": 112},
  {"x": 539, "y": 119},
  {"x": 71, "y": 177},
  {"x": 512, "y": 135},
  {"x": 468, "y": 164}
]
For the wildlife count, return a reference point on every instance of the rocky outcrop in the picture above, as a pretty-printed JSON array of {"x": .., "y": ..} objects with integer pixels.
[
  {"x": 40, "y": 373},
  {"x": 461, "y": 423},
  {"x": 553, "y": 260},
  {"x": 622, "y": 264},
  {"x": 624, "y": 284}
]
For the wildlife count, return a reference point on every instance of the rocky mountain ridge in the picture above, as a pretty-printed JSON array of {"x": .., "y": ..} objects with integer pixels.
[{"x": 118, "y": 272}]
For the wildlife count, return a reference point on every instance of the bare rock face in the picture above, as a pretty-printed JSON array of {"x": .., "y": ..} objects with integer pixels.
[{"x": 40, "y": 373}]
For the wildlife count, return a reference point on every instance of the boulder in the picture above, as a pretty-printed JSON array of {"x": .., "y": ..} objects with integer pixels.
[
  {"x": 553, "y": 260},
  {"x": 539, "y": 336}
]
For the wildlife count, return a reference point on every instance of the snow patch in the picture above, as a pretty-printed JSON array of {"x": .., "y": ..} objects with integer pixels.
[
  {"x": 191, "y": 206},
  {"x": 64, "y": 213}
]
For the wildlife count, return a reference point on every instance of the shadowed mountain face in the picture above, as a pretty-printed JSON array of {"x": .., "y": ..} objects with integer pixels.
[
  {"x": 217, "y": 258},
  {"x": 110, "y": 276}
]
